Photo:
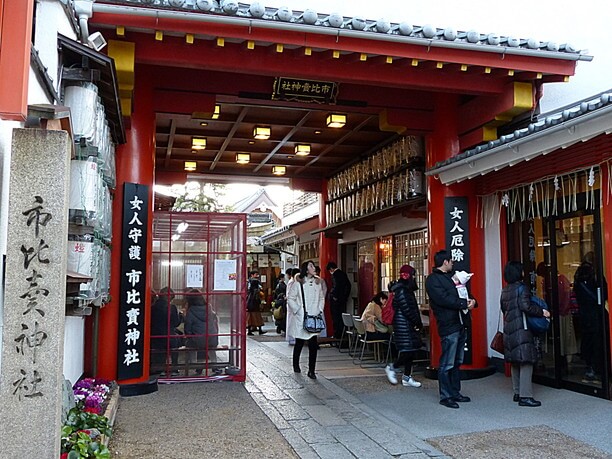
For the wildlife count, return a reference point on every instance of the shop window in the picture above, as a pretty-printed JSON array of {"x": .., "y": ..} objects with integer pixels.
[
  {"x": 411, "y": 249},
  {"x": 385, "y": 260},
  {"x": 367, "y": 271}
]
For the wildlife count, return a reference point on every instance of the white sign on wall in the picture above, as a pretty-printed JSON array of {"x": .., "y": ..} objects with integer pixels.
[
  {"x": 195, "y": 276},
  {"x": 225, "y": 275}
]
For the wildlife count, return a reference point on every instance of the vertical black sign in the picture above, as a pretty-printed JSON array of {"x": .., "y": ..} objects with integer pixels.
[
  {"x": 134, "y": 238},
  {"x": 457, "y": 231}
]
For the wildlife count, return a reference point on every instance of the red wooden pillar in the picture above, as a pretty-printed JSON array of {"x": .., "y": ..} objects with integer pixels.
[
  {"x": 328, "y": 250},
  {"x": 443, "y": 144},
  {"x": 16, "y": 17},
  {"x": 135, "y": 162},
  {"x": 607, "y": 245}
]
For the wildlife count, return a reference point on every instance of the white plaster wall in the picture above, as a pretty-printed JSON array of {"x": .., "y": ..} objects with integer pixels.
[
  {"x": 493, "y": 281},
  {"x": 36, "y": 94},
  {"x": 74, "y": 348},
  {"x": 51, "y": 19}
]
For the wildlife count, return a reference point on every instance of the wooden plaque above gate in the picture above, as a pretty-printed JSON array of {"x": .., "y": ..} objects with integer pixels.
[{"x": 297, "y": 90}]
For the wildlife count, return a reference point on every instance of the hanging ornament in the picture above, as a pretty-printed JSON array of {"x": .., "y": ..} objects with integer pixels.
[
  {"x": 591, "y": 177},
  {"x": 505, "y": 200},
  {"x": 556, "y": 183},
  {"x": 530, "y": 192}
]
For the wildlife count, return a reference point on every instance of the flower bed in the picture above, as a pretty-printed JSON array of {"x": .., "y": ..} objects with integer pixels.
[{"x": 87, "y": 428}]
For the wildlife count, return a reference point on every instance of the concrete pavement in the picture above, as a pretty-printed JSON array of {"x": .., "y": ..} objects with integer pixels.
[
  {"x": 351, "y": 412},
  {"x": 567, "y": 425}
]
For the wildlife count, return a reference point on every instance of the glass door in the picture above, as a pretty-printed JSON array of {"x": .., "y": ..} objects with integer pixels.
[{"x": 569, "y": 276}]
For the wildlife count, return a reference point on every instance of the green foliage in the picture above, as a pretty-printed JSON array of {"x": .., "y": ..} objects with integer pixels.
[
  {"x": 81, "y": 435},
  {"x": 82, "y": 420},
  {"x": 196, "y": 197}
]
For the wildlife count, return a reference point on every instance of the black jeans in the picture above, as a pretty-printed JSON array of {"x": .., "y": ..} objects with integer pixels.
[
  {"x": 405, "y": 358},
  {"x": 312, "y": 352}
]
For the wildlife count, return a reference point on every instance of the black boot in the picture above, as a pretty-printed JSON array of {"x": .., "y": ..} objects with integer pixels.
[
  {"x": 261, "y": 331},
  {"x": 250, "y": 331}
]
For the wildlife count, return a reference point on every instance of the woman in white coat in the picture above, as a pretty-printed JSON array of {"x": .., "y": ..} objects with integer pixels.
[{"x": 312, "y": 298}]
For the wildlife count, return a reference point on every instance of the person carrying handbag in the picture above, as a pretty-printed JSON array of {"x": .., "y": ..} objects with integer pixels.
[
  {"x": 305, "y": 296},
  {"x": 519, "y": 347}
]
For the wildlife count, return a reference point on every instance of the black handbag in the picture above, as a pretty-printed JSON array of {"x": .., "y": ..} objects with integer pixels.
[{"x": 312, "y": 323}]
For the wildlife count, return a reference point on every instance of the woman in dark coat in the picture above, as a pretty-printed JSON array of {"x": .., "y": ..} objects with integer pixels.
[
  {"x": 407, "y": 325},
  {"x": 201, "y": 322},
  {"x": 519, "y": 347}
]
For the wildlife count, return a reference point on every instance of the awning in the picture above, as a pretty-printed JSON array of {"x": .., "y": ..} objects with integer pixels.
[{"x": 100, "y": 70}]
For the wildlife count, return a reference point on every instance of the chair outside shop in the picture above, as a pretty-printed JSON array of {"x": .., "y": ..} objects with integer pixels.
[
  {"x": 348, "y": 332},
  {"x": 376, "y": 355}
]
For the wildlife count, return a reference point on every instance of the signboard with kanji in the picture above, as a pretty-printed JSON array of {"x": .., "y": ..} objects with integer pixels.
[
  {"x": 133, "y": 274},
  {"x": 298, "y": 90}
]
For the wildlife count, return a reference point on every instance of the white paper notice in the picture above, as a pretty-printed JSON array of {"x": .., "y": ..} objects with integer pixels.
[
  {"x": 195, "y": 276},
  {"x": 225, "y": 275}
]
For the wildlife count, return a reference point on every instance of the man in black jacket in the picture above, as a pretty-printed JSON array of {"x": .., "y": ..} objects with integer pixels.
[
  {"x": 451, "y": 321},
  {"x": 338, "y": 296}
]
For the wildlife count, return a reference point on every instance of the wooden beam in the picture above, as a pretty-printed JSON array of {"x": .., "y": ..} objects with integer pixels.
[{"x": 365, "y": 228}]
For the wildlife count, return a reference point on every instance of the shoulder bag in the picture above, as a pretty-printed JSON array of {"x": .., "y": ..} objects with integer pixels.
[
  {"x": 497, "y": 343},
  {"x": 312, "y": 324},
  {"x": 536, "y": 324}
]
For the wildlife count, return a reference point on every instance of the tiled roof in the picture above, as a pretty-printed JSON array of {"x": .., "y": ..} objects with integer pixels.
[
  {"x": 571, "y": 112},
  {"x": 433, "y": 36}
]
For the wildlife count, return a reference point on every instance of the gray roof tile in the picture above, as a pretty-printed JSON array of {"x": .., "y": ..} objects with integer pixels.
[{"x": 258, "y": 11}]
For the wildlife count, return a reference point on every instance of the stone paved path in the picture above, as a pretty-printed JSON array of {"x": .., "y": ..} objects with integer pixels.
[{"x": 317, "y": 417}]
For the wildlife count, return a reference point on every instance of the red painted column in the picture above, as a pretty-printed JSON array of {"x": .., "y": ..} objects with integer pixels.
[
  {"x": 135, "y": 164},
  {"x": 441, "y": 145},
  {"x": 16, "y": 17},
  {"x": 328, "y": 250},
  {"x": 607, "y": 243}
]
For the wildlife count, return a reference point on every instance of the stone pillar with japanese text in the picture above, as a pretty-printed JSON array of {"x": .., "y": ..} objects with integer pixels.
[{"x": 34, "y": 303}]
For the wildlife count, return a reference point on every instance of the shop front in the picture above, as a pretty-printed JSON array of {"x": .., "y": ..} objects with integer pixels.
[
  {"x": 565, "y": 265},
  {"x": 543, "y": 198}
]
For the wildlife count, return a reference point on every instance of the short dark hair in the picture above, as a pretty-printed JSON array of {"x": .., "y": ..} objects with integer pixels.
[
  {"x": 294, "y": 271},
  {"x": 379, "y": 297},
  {"x": 289, "y": 272},
  {"x": 253, "y": 272},
  {"x": 440, "y": 257},
  {"x": 281, "y": 276},
  {"x": 513, "y": 271},
  {"x": 331, "y": 265}
]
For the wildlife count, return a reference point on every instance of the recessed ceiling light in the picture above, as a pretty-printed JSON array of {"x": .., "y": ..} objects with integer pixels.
[
  {"x": 279, "y": 170},
  {"x": 203, "y": 123},
  {"x": 198, "y": 143},
  {"x": 261, "y": 132},
  {"x": 217, "y": 112},
  {"x": 190, "y": 166},
  {"x": 302, "y": 149},
  {"x": 243, "y": 158},
  {"x": 336, "y": 120},
  {"x": 251, "y": 142},
  {"x": 318, "y": 132}
]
